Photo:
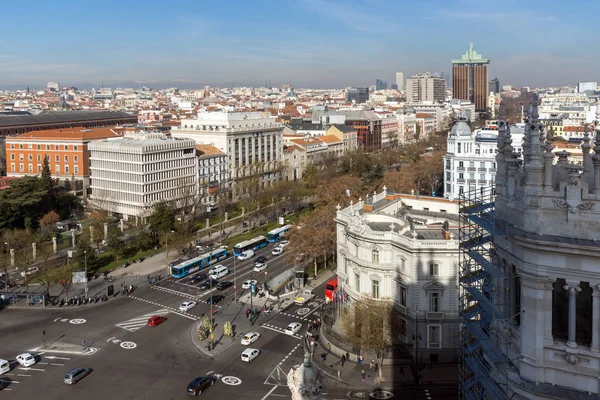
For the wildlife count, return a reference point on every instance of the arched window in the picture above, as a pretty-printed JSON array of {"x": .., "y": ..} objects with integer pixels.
[{"x": 375, "y": 255}]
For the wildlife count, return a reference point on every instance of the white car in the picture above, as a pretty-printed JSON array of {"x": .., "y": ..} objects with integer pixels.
[
  {"x": 249, "y": 355},
  {"x": 250, "y": 338},
  {"x": 246, "y": 255},
  {"x": 187, "y": 305},
  {"x": 248, "y": 284},
  {"x": 293, "y": 328},
  {"x": 25, "y": 359},
  {"x": 304, "y": 296},
  {"x": 277, "y": 251},
  {"x": 260, "y": 267},
  {"x": 283, "y": 243}
]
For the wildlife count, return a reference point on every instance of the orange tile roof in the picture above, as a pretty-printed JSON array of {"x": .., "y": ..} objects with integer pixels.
[
  {"x": 305, "y": 141},
  {"x": 290, "y": 149},
  {"x": 76, "y": 133},
  {"x": 330, "y": 139},
  {"x": 208, "y": 150},
  {"x": 424, "y": 115}
]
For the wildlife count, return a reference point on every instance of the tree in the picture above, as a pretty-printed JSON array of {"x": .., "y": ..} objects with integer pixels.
[
  {"x": 402, "y": 181},
  {"x": 46, "y": 181},
  {"x": 47, "y": 223},
  {"x": 310, "y": 176},
  {"x": 366, "y": 324},
  {"x": 48, "y": 266},
  {"x": 64, "y": 276},
  {"x": 162, "y": 220},
  {"x": 85, "y": 257},
  {"x": 115, "y": 242}
]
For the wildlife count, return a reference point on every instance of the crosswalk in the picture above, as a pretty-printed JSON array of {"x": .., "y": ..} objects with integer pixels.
[
  {"x": 134, "y": 324},
  {"x": 279, "y": 330}
]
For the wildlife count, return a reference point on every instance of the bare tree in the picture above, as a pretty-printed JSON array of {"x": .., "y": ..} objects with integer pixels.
[{"x": 64, "y": 276}]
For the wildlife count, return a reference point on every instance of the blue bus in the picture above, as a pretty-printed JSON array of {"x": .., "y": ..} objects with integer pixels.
[
  {"x": 185, "y": 265},
  {"x": 276, "y": 234},
  {"x": 251, "y": 244}
]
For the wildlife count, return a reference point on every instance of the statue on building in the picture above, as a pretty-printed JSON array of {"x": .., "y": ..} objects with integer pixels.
[{"x": 305, "y": 381}]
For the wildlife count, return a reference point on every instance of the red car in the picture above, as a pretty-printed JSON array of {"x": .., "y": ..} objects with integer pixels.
[{"x": 156, "y": 320}]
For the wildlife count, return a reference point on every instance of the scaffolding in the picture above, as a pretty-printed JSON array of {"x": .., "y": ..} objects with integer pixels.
[{"x": 485, "y": 340}]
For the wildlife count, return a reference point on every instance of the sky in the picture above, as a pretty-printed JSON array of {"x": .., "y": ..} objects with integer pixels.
[{"x": 307, "y": 43}]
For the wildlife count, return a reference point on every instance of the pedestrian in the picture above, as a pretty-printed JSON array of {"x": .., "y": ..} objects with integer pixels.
[
  {"x": 363, "y": 374},
  {"x": 359, "y": 359},
  {"x": 343, "y": 360},
  {"x": 323, "y": 357},
  {"x": 83, "y": 344},
  {"x": 328, "y": 347},
  {"x": 339, "y": 375},
  {"x": 347, "y": 356},
  {"x": 376, "y": 367},
  {"x": 372, "y": 364}
]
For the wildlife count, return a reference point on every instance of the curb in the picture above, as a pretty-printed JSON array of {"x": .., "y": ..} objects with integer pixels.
[{"x": 195, "y": 340}]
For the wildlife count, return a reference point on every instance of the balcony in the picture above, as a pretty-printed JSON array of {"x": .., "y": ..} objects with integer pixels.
[
  {"x": 471, "y": 181},
  {"x": 482, "y": 182},
  {"x": 493, "y": 170},
  {"x": 460, "y": 169},
  {"x": 434, "y": 315},
  {"x": 481, "y": 169},
  {"x": 460, "y": 181},
  {"x": 471, "y": 169}
]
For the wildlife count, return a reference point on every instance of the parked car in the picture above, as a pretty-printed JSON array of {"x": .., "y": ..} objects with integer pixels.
[
  {"x": 277, "y": 251},
  {"x": 283, "y": 243},
  {"x": 250, "y": 338},
  {"x": 260, "y": 260},
  {"x": 25, "y": 359},
  {"x": 201, "y": 383},
  {"x": 156, "y": 320},
  {"x": 293, "y": 328},
  {"x": 198, "y": 278},
  {"x": 76, "y": 374},
  {"x": 300, "y": 257},
  {"x": 304, "y": 296},
  {"x": 217, "y": 298},
  {"x": 207, "y": 284},
  {"x": 30, "y": 271},
  {"x": 187, "y": 305},
  {"x": 249, "y": 355},
  {"x": 224, "y": 285},
  {"x": 248, "y": 284}
]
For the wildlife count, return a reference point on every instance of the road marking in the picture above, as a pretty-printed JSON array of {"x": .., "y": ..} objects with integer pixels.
[
  {"x": 77, "y": 321},
  {"x": 303, "y": 311},
  {"x": 31, "y": 369},
  {"x": 56, "y": 358},
  {"x": 176, "y": 292},
  {"x": 60, "y": 365},
  {"x": 269, "y": 393},
  {"x": 5, "y": 381},
  {"x": 134, "y": 324},
  {"x": 174, "y": 311},
  {"x": 311, "y": 312},
  {"x": 231, "y": 380},
  {"x": 23, "y": 375},
  {"x": 128, "y": 345},
  {"x": 279, "y": 330},
  {"x": 42, "y": 363}
]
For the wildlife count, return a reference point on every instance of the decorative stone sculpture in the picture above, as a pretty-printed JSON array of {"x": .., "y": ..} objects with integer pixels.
[{"x": 305, "y": 381}]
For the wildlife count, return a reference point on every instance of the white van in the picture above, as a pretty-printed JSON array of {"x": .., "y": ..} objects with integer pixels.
[
  {"x": 4, "y": 366},
  {"x": 246, "y": 255},
  {"x": 218, "y": 271}
]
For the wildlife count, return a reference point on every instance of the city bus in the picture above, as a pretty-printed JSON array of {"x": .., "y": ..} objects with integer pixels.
[
  {"x": 276, "y": 234},
  {"x": 185, "y": 265},
  {"x": 251, "y": 244},
  {"x": 330, "y": 288}
]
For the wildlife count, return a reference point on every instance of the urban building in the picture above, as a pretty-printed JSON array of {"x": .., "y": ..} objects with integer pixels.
[
  {"x": 368, "y": 127},
  {"x": 380, "y": 84},
  {"x": 295, "y": 161},
  {"x": 583, "y": 87},
  {"x": 404, "y": 248},
  {"x": 495, "y": 86},
  {"x": 470, "y": 79},
  {"x": 16, "y": 124},
  {"x": 394, "y": 86},
  {"x": 530, "y": 284},
  {"x": 440, "y": 111},
  {"x": 400, "y": 80},
  {"x": 407, "y": 125},
  {"x": 389, "y": 130},
  {"x": 470, "y": 160},
  {"x": 252, "y": 142},
  {"x": 131, "y": 174},
  {"x": 425, "y": 125},
  {"x": 358, "y": 95},
  {"x": 346, "y": 134},
  {"x": 67, "y": 151},
  {"x": 424, "y": 87},
  {"x": 212, "y": 174}
]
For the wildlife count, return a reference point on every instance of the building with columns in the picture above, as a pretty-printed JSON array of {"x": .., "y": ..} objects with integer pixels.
[
  {"x": 529, "y": 276},
  {"x": 252, "y": 142},
  {"x": 131, "y": 174},
  {"x": 404, "y": 248}
]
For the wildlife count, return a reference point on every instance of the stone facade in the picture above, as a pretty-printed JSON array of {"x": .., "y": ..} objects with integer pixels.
[{"x": 398, "y": 247}]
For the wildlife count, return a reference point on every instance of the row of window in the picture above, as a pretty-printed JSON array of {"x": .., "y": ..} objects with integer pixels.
[
  {"x": 47, "y": 146},
  {"x": 433, "y": 266},
  {"x": 39, "y": 158},
  {"x": 57, "y": 169}
]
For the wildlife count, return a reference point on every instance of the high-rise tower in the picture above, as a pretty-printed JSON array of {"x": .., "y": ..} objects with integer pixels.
[{"x": 470, "y": 79}]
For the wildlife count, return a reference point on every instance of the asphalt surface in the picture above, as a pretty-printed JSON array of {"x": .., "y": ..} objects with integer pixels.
[{"x": 133, "y": 361}]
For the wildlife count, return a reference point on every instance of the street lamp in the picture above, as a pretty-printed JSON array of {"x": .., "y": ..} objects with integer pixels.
[
  {"x": 86, "y": 275},
  {"x": 234, "y": 281},
  {"x": 212, "y": 300}
]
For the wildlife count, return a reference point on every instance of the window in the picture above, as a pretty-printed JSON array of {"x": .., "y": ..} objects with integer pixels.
[
  {"x": 482, "y": 177},
  {"x": 403, "y": 296},
  {"x": 461, "y": 164},
  {"x": 57, "y": 158},
  {"x": 447, "y": 176},
  {"x": 447, "y": 164},
  {"x": 39, "y": 147},
  {"x": 375, "y": 256},
  {"x": 434, "y": 269},
  {"x": 21, "y": 157},
  {"x": 357, "y": 281},
  {"x": 345, "y": 265},
  {"x": 21, "y": 168},
  {"x": 76, "y": 169},
  {"x": 12, "y": 156},
  {"x": 402, "y": 327},
  {"x": 375, "y": 289},
  {"x": 30, "y": 168},
  {"x": 12, "y": 146},
  {"x": 477, "y": 151},
  {"x": 461, "y": 189},
  {"x": 459, "y": 147},
  {"x": 30, "y": 157},
  {"x": 47, "y": 147},
  {"x": 39, "y": 166},
  {"x": 66, "y": 169},
  {"x": 57, "y": 169},
  {"x": 434, "y": 337},
  {"x": 66, "y": 158},
  {"x": 75, "y": 148},
  {"x": 75, "y": 158},
  {"x": 434, "y": 302},
  {"x": 402, "y": 263},
  {"x": 12, "y": 167}
]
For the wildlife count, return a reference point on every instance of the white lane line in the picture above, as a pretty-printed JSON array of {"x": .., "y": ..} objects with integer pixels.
[
  {"x": 280, "y": 331},
  {"x": 5, "y": 381},
  {"x": 188, "y": 316},
  {"x": 270, "y": 391},
  {"x": 56, "y": 357},
  {"x": 42, "y": 363},
  {"x": 32, "y": 369},
  {"x": 316, "y": 308},
  {"x": 279, "y": 395},
  {"x": 60, "y": 365},
  {"x": 23, "y": 375}
]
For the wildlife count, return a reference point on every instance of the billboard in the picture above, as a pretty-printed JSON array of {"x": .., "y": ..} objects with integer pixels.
[{"x": 79, "y": 277}]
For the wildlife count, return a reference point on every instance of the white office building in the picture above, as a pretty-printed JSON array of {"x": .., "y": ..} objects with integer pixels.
[
  {"x": 213, "y": 174},
  {"x": 470, "y": 161},
  {"x": 131, "y": 174},
  {"x": 425, "y": 87},
  {"x": 400, "y": 80},
  {"x": 252, "y": 141},
  {"x": 585, "y": 86},
  {"x": 404, "y": 248}
]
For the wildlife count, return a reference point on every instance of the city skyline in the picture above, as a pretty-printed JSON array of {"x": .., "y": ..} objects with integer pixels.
[{"x": 310, "y": 43}]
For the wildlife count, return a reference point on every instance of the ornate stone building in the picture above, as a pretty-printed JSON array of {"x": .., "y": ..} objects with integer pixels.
[
  {"x": 530, "y": 298},
  {"x": 403, "y": 248}
]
